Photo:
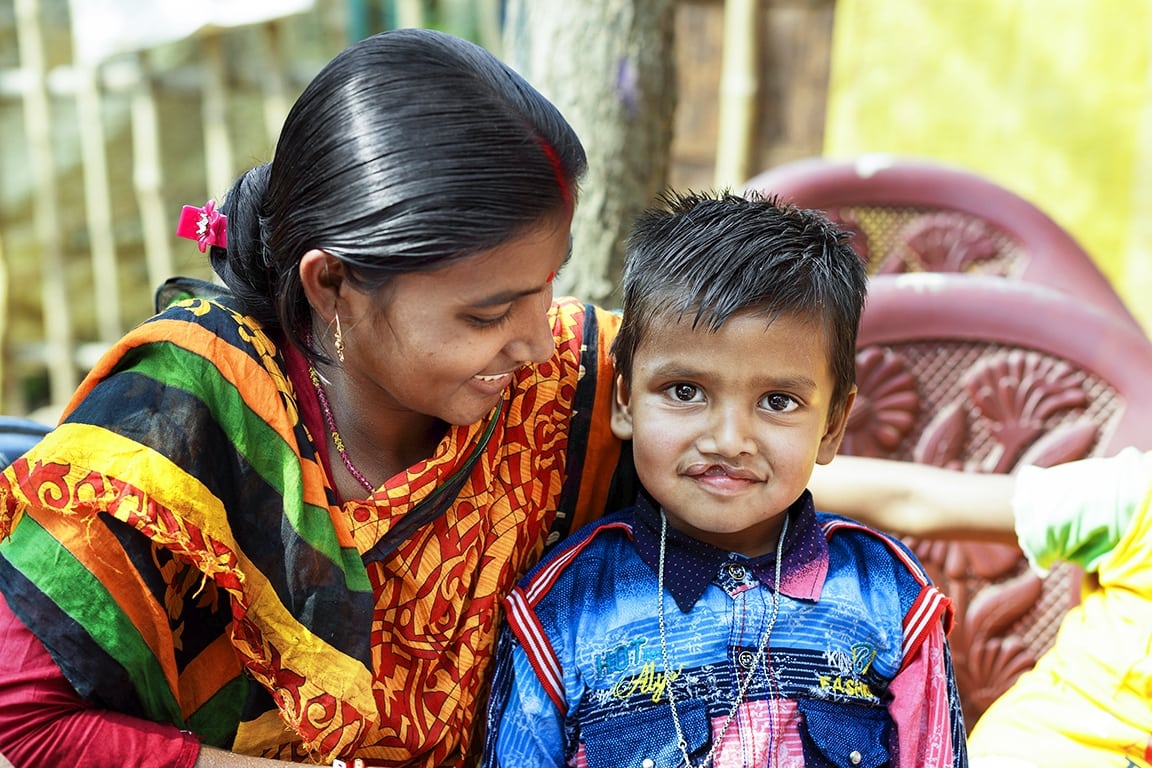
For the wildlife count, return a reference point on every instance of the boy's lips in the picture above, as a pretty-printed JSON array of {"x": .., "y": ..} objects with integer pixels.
[
  {"x": 722, "y": 470},
  {"x": 723, "y": 479}
]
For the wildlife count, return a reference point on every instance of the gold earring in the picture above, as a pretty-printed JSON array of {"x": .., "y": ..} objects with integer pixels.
[{"x": 338, "y": 340}]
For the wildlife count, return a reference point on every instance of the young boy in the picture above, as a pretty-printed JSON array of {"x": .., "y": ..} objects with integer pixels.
[{"x": 722, "y": 621}]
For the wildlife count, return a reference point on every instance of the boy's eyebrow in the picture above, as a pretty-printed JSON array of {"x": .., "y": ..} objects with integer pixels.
[
  {"x": 801, "y": 383},
  {"x": 675, "y": 369},
  {"x": 672, "y": 370}
]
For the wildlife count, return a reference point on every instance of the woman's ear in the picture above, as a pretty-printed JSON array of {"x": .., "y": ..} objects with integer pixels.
[
  {"x": 622, "y": 409},
  {"x": 322, "y": 276}
]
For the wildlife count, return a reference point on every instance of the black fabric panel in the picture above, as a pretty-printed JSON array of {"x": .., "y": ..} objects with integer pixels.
[{"x": 95, "y": 675}]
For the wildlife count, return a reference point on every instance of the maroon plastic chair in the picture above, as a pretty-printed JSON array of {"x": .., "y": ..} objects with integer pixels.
[
  {"x": 984, "y": 374},
  {"x": 912, "y": 215}
]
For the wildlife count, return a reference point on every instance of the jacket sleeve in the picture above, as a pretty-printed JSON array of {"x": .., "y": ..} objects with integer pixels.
[
  {"x": 926, "y": 708},
  {"x": 525, "y": 729},
  {"x": 43, "y": 721}
]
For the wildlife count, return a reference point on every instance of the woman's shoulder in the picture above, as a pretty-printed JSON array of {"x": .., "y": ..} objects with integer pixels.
[
  {"x": 200, "y": 323},
  {"x": 579, "y": 321},
  {"x": 210, "y": 311},
  {"x": 583, "y": 335},
  {"x": 198, "y": 344}
]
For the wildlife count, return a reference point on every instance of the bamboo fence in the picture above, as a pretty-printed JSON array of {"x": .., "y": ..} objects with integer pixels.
[
  {"x": 107, "y": 153},
  {"x": 96, "y": 159}
]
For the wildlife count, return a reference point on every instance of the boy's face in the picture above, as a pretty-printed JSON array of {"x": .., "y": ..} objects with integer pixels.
[{"x": 726, "y": 426}]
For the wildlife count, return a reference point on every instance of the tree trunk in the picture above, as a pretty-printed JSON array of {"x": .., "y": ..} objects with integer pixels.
[{"x": 610, "y": 67}]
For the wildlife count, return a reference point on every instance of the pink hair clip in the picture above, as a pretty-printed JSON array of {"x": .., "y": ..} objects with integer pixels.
[{"x": 206, "y": 225}]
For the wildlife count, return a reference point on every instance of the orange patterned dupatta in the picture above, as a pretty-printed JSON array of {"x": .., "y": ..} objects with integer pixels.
[{"x": 177, "y": 545}]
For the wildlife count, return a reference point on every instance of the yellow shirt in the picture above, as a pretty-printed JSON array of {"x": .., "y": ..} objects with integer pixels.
[{"x": 1088, "y": 701}]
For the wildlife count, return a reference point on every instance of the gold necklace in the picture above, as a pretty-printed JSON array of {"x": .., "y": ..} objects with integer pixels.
[{"x": 681, "y": 742}]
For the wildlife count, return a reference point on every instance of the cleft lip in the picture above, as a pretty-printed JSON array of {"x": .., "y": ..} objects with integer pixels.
[{"x": 722, "y": 469}]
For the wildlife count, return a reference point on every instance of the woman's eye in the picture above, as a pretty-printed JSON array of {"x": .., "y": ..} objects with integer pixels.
[
  {"x": 685, "y": 393},
  {"x": 779, "y": 403},
  {"x": 488, "y": 322}
]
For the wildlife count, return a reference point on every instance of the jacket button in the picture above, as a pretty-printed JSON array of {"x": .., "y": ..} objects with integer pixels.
[
  {"x": 855, "y": 757},
  {"x": 647, "y": 763}
]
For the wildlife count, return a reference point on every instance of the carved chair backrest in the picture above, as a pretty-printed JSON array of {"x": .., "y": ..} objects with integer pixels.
[
  {"x": 983, "y": 373},
  {"x": 913, "y": 215}
]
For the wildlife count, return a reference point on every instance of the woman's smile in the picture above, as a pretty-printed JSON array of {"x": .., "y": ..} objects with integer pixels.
[{"x": 492, "y": 383}]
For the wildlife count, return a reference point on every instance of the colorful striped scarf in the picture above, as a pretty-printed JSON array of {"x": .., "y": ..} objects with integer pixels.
[{"x": 255, "y": 610}]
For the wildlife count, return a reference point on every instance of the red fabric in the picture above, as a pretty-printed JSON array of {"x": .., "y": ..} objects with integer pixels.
[{"x": 43, "y": 722}]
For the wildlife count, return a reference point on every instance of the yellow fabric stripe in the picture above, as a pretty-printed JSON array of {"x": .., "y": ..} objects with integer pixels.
[
  {"x": 325, "y": 668},
  {"x": 259, "y": 387},
  {"x": 266, "y": 733},
  {"x": 1126, "y": 567}
]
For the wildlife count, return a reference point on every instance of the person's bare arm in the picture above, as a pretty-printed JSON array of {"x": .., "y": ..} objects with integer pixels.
[
  {"x": 211, "y": 757},
  {"x": 917, "y": 499}
]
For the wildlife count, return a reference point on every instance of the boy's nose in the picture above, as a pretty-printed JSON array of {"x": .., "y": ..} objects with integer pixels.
[{"x": 728, "y": 434}]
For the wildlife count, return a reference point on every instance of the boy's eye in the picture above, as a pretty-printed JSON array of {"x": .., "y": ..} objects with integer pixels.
[
  {"x": 685, "y": 393},
  {"x": 779, "y": 403}
]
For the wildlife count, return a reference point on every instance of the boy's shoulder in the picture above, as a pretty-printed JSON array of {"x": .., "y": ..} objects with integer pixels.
[
  {"x": 869, "y": 544},
  {"x": 883, "y": 565},
  {"x": 585, "y": 548},
  {"x": 841, "y": 525}
]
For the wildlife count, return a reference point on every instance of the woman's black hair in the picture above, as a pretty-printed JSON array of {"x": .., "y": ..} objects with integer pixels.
[{"x": 409, "y": 150}]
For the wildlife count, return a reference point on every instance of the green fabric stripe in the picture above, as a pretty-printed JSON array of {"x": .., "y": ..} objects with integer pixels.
[
  {"x": 261, "y": 446},
  {"x": 215, "y": 721},
  {"x": 49, "y": 565}
]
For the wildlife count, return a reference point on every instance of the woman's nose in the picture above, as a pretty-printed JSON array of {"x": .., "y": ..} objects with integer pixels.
[{"x": 534, "y": 342}]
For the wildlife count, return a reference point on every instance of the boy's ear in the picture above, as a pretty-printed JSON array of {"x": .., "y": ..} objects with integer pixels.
[
  {"x": 834, "y": 433},
  {"x": 321, "y": 276},
  {"x": 621, "y": 409}
]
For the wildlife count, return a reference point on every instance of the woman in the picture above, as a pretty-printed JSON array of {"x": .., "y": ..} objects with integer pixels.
[{"x": 280, "y": 523}]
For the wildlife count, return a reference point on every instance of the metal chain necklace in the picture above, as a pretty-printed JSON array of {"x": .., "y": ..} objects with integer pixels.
[{"x": 761, "y": 649}]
